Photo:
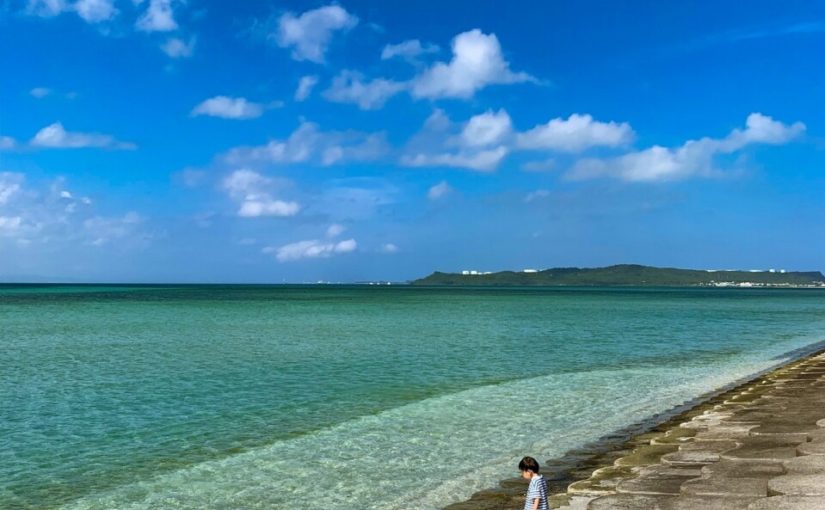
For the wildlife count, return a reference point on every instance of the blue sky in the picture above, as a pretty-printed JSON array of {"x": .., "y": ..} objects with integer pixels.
[{"x": 198, "y": 141}]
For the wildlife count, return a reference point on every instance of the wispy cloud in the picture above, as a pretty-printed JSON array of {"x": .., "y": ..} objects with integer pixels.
[
  {"x": 311, "y": 249},
  {"x": 308, "y": 35},
  {"x": 40, "y": 92},
  {"x": 90, "y": 11},
  {"x": 159, "y": 16},
  {"x": 439, "y": 191},
  {"x": 229, "y": 108},
  {"x": 484, "y": 140},
  {"x": 351, "y": 87},
  {"x": 51, "y": 214},
  {"x": 305, "y": 86},
  {"x": 176, "y": 47},
  {"x": 7, "y": 142},
  {"x": 253, "y": 194},
  {"x": 409, "y": 50},
  {"x": 309, "y": 144},
  {"x": 752, "y": 33},
  {"x": 693, "y": 158},
  {"x": 477, "y": 62},
  {"x": 55, "y": 136}
]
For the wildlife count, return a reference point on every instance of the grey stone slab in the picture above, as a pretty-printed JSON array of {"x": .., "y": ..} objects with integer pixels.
[
  {"x": 764, "y": 452},
  {"x": 798, "y": 485},
  {"x": 707, "y": 503},
  {"x": 788, "y": 503},
  {"x": 807, "y": 465},
  {"x": 669, "y": 471},
  {"x": 743, "y": 469},
  {"x": 566, "y": 502},
  {"x": 726, "y": 487},
  {"x": 816, "y": 434},
  {"x": 786, "y": 438},
  {"x": 817, "y": 448},
  {"x": 653, "y": 485},
  {"x": 708, "y": 446},
  {"x": 629, "y": 502},
  {"x": 690, "y": 458},
  {"x": 726, "y": 431},
  {"x": 645, "y": 455}
]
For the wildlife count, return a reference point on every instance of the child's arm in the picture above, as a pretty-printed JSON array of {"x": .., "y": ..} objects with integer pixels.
[{"x": 535, "y": 504}]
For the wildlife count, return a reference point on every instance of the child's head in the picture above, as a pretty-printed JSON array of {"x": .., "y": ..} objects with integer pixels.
[{"x": 528, "y": 467}]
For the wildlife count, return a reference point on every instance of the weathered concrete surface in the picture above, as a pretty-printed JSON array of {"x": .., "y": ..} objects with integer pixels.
[
  {"x": 805, "y": 465},
  {"x": 788, "y": 503},
  {"x": 759, "y": 447},
  {"x": 812, "y": 484}
]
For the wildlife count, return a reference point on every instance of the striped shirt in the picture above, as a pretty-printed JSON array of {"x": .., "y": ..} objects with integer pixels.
[{"x": 536, "y": 489}]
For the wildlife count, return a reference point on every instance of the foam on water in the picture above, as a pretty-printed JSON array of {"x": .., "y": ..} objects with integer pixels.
[{"x": 431, "y": 453}]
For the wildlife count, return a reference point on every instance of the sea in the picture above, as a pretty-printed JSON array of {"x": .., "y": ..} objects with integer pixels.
[{"x": 349, "y": 397}]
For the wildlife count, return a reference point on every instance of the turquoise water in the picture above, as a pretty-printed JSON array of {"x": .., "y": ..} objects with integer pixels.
[{"x": 219, "y": 397}]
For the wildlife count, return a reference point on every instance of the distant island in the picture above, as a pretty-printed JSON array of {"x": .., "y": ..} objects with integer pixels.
[{"x": 629, "y": 275}]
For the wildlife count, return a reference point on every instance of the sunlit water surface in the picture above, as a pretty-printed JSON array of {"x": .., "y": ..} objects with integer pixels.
[{"x": 225, "y": 397}]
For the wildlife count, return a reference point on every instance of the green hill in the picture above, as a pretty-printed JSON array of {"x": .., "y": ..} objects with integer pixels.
[{"x": 627, "y": 274}]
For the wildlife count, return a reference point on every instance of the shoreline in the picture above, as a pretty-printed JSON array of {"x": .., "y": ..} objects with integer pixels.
[{"x": 571, "y": 477}]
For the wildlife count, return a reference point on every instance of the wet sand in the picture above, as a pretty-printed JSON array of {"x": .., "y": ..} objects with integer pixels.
[{"x": 758, "y": 444}]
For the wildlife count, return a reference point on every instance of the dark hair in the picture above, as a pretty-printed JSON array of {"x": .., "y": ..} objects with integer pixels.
[{"x": 529, "y": 464}]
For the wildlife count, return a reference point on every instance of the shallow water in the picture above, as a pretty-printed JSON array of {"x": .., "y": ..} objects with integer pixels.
[{"x": 231, "y": 396}]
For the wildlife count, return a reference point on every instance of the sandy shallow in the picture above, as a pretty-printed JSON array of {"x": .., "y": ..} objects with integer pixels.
[{"x": 758, "y": 445}]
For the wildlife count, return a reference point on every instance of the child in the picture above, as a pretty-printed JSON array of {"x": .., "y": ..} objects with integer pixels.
[{"x": 537, "y": 490}]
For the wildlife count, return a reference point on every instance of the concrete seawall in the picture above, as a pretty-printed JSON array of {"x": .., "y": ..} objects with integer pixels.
[{"x": 758, "y": 446}]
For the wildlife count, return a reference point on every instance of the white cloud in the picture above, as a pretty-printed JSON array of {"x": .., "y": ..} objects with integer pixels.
[
  {"x": 311, "y": 249},
  {"x": 440, "y": 190},
  {"x": 7, "y": 142},
  {"x": 10, "y": 225},
  {"x": 309, "y": 34},
  {"x": 488, "y": 128},
  {"x": 103, "y": 230},
  {"x": 349, "y": 87},
  {"x": 40, "y": 92},
  {"x": 252, "y": 191},
  {"x": 477, "y": 62},
  {"x": 305, "y": 86},
  {"x": 482, "y": 161},
  {"x": 91, "y": 11},
  {"x": 51, "y": 214},
  {"x": 389, "y": 248},
  {"x": 95, "y": 11},
  {"x": 335, "y": 230},
  {"x": 229, "y": 108},
  {"x": 309, "y": 143},
  {"x": 178, "y": 48},
  {"x": 576, "y": 134},
  {"x": 47, "y": 8},
  {"x": 693, "y": 158},
  {"x": 158, "y": 17},
  {"x": 10, "y": 185},
  {"x": 761, "y": 128},
  {"x": 408, "y": 50},
  {"x": 536, "y": 195},
  {"x": 56, "y": 137},
  {"x": 481, "y": 142},
  {"x": 262, "y": 205}
]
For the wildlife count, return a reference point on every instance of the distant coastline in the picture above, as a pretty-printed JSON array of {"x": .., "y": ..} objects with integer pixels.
[{"x": 631, "y": 275}]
